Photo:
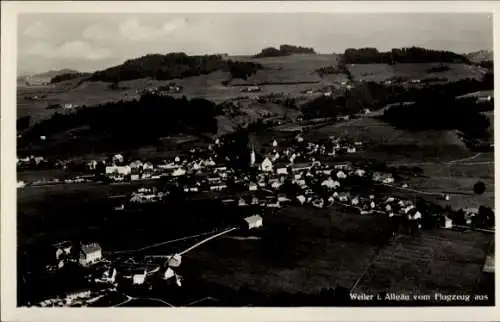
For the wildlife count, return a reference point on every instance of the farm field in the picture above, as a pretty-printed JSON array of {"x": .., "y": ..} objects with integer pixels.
[
  {"x": 300, "y": 250},
  {"x": 298, "y": 72},
  {"x": 294, "y": 68},
  {"x": 383, "y": 72},
  {"x": 436, "y": 261},
  {"x": 386, "y": 143}
]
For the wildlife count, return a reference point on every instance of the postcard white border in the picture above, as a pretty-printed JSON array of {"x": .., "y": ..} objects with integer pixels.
[{"x": 9, "y": 312}]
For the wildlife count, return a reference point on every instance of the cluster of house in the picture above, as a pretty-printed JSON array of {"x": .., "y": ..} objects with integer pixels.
[
  {"x": 164, "y": 90},
  {"x": 30, "y": 160},
  {"x": 103, "y": 274}
]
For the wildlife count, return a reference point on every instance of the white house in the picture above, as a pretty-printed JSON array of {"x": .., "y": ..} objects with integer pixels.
[
  {"x": 266, "y": 165},
  {"x": 448, "y": 222},
  {"x": 254, "y": 221},
  {"x": 169, "y": 273},
  {"x": 282, "y": 171},
  {"x": 275, "y": 143},
  {"x": 360, "y": 172},
  {"x": 139, "y": 277},
  {"x": 136, "y": 165},
  {"x": 351, "y": 149},
  {"x": 147, "y": 166},
  {"x": 330, "y": 183},
  {"x": 116, "y": 170},
  {"x": 90, "y": 254},
  {"x": 388, "y": 180},
  {"x": 252, "y": 186},
  {"x": 178, "y": 172},
  {"x": 341, "y": 175},
  {"x": 318, "y": 203},
  {"x": 117, "y": 158}
]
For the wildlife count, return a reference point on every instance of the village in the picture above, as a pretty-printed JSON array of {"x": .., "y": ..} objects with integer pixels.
[{"x": 299, "y": 172}]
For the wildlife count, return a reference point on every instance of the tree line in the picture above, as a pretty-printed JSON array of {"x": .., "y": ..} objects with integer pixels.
[
  {"x": 403, "y": 55},
  {"x": 174, "y": 65},
  {"x": 284, "y": 50},
  {"x": 67, "y": 76}
]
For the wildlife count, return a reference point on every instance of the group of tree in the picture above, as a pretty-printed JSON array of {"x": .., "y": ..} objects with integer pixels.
[
  {"x": 172, "y": 66},
  {"x": 439, "y": 111},
  {"x": 68, "y": 76},
  {"x": 127, "y": 123},
  {"x": 438, "y": 69},
  {"x": 340, "y": 68},
  {"x": 242, "y": 69},
  {"x": 367, "y": 95},
  {"x": 404, "y": 55},
  {"x": 284, "y": 50}
]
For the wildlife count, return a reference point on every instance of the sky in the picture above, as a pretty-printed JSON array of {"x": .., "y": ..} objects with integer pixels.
[{"x": 89, "y": 42}]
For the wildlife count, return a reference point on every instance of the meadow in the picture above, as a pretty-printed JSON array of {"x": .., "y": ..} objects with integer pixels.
[
  {"x": 409, "y": 71},
  {"x": 300, "y": 250},
  {"x": 436, "y": 261}
]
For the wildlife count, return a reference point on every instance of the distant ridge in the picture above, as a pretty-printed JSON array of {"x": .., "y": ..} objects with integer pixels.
[
  {"x": 370, "y": 55},
  {"x": 174, "y": 65},
  {"x": 284, "y": 50},
  {"x": 480, "y": 56}
]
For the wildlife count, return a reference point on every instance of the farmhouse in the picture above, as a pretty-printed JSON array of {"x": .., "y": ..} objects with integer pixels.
[
  {"x": 447, "y": 222},
  {"x": 178, "y": 172},
  {"x": 139, "y": 276},
  {"x": 254, "y": 221},
  {"x": 90, "y": 254},
  {"x": 169, "y": 273},
  {"x": 117, "y": 172}
]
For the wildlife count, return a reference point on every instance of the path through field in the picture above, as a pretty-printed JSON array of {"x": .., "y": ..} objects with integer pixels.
[{"x": 162, "y": 243}]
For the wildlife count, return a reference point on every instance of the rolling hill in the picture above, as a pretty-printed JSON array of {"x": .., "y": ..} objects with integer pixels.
[
  {"x": 42, "y": 78},
  {"x": 480, "y": 56}
]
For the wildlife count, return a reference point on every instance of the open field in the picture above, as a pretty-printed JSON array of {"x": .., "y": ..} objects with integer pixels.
[
  {"x": 298, "y": 72},
  {"x": 383, "y": 72},
  {"x": 295, "y": 68},
  {"x": 300, "y": 250},
  {"x": 437, "y": 261},
  {"x": 386, "y": 143}
]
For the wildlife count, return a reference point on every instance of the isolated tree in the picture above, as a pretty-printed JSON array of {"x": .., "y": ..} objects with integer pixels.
[{"x": 479, "y": 188}]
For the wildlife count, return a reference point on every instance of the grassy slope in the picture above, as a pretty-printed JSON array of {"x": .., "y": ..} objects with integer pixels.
[
  {"x": 427, "y": 264},
  {"x": 331, "y": 249},
  {"x": 382, "y": 72}
]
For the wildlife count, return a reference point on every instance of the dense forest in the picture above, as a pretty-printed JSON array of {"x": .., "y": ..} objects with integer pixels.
[
  {"x": 284, "y": 50},
  {"x": 438, "y": 111},
  {"x": 173, "y": 65},
  {"x": 369, "y": 95},
  {"x": 129, "y": 123},
  {"x": 403, "y": 55}
]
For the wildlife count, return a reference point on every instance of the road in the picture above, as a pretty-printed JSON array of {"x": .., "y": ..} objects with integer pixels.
[
  {"x": 162, "y": 243},
  {"x": 206, "y": 240}
]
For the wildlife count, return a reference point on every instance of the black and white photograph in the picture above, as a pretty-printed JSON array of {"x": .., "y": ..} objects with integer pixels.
[{"x": 253, "y": 159}]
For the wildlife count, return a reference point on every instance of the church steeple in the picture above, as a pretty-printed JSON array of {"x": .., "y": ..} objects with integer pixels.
[{"x": 252, "y": 155}]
